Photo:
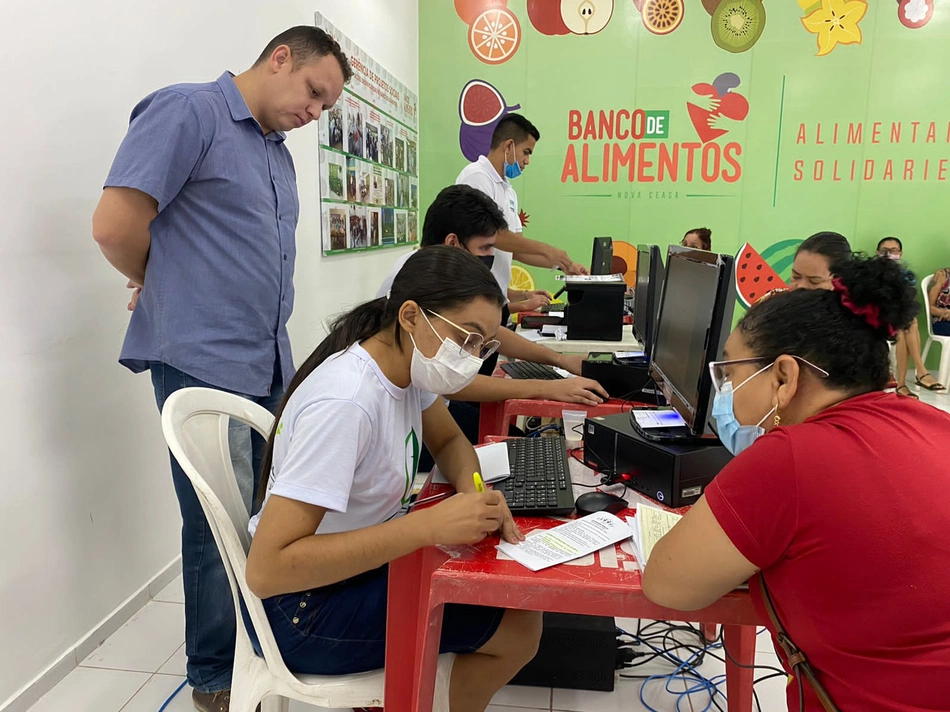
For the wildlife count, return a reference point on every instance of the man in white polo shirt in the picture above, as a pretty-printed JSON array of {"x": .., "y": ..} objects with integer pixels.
[{"x": 512, "y": 144}]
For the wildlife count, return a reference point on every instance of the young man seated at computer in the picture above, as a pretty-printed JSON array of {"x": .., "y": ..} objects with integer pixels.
[{"x": 466, "y": 218}]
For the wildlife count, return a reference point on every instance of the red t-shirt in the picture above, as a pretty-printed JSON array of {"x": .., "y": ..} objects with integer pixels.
[{"x": 848, "y": 516}]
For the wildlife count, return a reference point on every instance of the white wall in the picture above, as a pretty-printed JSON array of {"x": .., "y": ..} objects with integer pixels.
[{"x": 87, "y": 510}]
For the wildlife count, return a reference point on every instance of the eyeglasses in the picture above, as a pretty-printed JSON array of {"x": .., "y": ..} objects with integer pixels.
[
  {"x": 717, "y": 369},
  {"x": 474, "y": 344},
  {"x": 885, "y": 251}
]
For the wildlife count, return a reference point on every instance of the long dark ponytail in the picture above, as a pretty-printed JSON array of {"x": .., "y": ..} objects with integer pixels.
[{"x": 437, "y": 278}]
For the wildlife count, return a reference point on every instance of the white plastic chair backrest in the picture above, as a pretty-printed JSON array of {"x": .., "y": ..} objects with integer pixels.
[
  {"x": 925, "y": 285},
  {"x": 195, "y": 425}
]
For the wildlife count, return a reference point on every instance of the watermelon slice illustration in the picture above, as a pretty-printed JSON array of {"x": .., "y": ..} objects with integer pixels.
[
  {"x": 754, "y": 276},
  {"x": 481, "y": 107}
]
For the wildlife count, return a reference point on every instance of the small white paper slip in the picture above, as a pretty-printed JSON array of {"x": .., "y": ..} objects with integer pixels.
[
  {"x": 568, "y": 542},
  {"x": 492, "y": 462},
  {"x": 556, "y": 314},
  {"x": 629, "y": 354},
  {"x": 659, "y": 419}
]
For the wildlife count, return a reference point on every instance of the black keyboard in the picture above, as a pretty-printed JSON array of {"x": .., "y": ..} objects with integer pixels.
[
  {"x": 529, "y": 369},
  {"x": 540, "y": 482}
]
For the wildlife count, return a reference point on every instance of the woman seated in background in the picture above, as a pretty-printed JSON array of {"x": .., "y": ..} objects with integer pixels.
[
  {"x": 940, "y": 302},
  {"x": 699, "y": 239},
  {"x": 816, "y": 257},
  {"x": 341, "y": 462},
  {"x": 831, "y": 496},
  {"x": 908, "y": 340}
]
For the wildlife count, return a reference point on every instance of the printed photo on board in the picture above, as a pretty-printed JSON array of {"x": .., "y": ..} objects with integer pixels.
[
  {"x": 389, "y": 226},
  {"x": 335, "y": 124},
  {"x": 338, "y": 220},
  {"x": 402, "y": 233}
]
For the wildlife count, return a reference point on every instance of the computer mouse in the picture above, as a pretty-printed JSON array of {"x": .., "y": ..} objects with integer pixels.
[{"x": 591, "y": 502}]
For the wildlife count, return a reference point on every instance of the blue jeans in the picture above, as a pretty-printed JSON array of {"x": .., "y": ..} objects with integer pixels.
[
  {"x": 341, "y": 628},
  {"x": 209, "y": 610}
]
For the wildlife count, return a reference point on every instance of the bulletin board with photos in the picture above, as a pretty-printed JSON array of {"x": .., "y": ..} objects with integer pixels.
[{"x": 369, "y": 177}]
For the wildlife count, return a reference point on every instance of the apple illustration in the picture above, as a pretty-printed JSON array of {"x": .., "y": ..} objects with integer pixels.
[
  {"x": 563, "y": 17},
  {"x": 586, "y": 17}
]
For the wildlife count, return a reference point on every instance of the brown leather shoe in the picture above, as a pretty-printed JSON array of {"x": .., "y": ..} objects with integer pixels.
[{"x": 211, "y": 701}]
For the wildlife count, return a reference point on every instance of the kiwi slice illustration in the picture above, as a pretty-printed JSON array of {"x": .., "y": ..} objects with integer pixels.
[
  {"x": 711, "y": 5},
  {"x": 737, "y": 24}
]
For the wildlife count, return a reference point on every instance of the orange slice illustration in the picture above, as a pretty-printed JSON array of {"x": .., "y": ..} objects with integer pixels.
[{"x": 495, "y": 35}]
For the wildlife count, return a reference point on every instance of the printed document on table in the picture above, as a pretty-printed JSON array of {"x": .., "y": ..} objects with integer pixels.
[
  {"x": 568, "y": 542},
  {"x": 652, "y": 524},
  {"x": 492, "y": 461}
]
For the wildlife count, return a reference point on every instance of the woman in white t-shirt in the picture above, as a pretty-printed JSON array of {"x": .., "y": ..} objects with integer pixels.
[{"x": 341, "y": 462}]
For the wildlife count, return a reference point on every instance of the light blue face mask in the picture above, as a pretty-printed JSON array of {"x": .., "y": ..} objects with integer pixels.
[
  {"x": 734, "y": 436},
  {"x": 512, "y": 170}
]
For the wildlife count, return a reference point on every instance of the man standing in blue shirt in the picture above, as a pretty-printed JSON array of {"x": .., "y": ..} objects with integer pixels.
[{"x": 199, "y": 212}]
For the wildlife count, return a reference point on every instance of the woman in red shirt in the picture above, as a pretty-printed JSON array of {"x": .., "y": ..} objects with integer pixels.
[{"x": 837, "y": 494}]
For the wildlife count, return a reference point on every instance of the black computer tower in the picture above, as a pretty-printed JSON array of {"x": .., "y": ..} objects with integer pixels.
[
  {"x": 594, "y": 310},
  {"x": 672, "y": 473},
  {"x": 576, "y": 653},
  {"x": 620, "y": 380}
]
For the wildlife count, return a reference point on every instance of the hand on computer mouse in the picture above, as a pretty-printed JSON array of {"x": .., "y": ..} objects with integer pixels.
[{"x": 573, "y": 390}]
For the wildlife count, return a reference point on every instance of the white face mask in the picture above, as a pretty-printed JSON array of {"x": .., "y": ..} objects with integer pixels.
[{"x": 448, "y": 372}]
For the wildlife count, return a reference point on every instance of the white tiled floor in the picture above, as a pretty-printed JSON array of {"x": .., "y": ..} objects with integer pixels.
[
  {"x": 137, "y": 668},
  {"x": 143, "y": 663}
]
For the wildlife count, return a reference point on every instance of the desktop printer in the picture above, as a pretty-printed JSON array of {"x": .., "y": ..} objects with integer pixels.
[{"x": 672, "y": 473}]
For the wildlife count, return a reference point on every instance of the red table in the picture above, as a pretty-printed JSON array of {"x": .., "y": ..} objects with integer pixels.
[{"x": 606, "y": 583}]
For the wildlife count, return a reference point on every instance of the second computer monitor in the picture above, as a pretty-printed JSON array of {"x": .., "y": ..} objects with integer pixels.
[
  {"x": 694, "y": 319},
  {"x": 646, "y": 295},
  {"x": 603, "y": 255}
]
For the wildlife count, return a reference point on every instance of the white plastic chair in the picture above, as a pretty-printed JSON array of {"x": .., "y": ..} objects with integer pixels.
[
  {"x": 943, "y": 373},
  {"x": 195, "y": 425}
]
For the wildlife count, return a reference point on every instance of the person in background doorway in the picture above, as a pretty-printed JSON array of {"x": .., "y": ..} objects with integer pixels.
[
  {"x": 340, "y": 464},
  {"x": 940, "y": 302},
  {"x": 833, "y": 482},
  {"x": 698, "y": 239},
  {"x": 513, "y": 142},
  {"x": 907, "y": 345},
  {"x": 199, "y": 213}
]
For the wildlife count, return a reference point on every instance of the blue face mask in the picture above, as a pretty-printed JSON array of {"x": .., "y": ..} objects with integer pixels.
[
  {"x": 734, "y": 436},
  {"x": 512, "y": 170}
]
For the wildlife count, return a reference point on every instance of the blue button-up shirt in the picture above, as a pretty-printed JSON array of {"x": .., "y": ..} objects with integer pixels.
[{"x": 219, "y": 284}]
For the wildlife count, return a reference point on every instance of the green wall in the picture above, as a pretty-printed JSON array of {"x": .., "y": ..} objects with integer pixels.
[{"x": 763, "y": 194}]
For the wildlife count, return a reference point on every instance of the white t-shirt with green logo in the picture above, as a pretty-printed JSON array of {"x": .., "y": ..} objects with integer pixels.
[{"x": 348, "y": 441}]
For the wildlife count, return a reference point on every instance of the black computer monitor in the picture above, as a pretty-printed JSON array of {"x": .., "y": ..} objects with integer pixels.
[
  {"x": 603, "y": 256},
  {"x": 693, "y": 322},
  {"x": 646, "y": 294}
]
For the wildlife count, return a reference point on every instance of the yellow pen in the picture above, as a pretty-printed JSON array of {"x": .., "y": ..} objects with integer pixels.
[{"x": 479, "y": 485}]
